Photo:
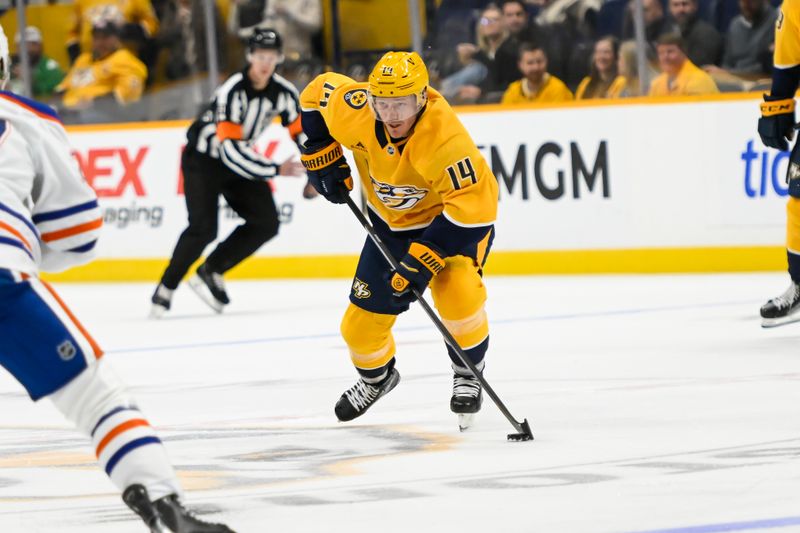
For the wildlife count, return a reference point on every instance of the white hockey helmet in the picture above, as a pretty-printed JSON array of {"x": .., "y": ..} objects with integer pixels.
[{"x": 5, "y": 60}]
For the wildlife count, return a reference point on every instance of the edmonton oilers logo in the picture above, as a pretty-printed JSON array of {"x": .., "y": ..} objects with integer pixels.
[{"x": 356, "y": 98}]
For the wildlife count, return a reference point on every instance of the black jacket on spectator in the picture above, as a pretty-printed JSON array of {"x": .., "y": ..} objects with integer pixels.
[
  {"x": 703, "y": 42},
  {"x": 652, "y": 31},
  {"x": 747, "y": 45},
  {"x": 506, "y": 69}
]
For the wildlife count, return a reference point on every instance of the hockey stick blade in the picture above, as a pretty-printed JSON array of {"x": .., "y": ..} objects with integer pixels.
[
  {"x": 523, "y": 429},
  {"x": 523, "y": 435}
]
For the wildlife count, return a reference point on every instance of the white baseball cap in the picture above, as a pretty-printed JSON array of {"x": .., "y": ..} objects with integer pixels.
[{"x": 32, "y": 35}]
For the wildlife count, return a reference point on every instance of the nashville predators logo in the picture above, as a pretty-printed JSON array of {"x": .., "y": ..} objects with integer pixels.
[
  {"x": 399, "y": 197},
  {"x": 361, "y": 289},
  {"x": 356, "y": 98}
]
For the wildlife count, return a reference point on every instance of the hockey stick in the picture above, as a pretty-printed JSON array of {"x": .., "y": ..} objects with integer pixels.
[{"x": 523, "y": 428}]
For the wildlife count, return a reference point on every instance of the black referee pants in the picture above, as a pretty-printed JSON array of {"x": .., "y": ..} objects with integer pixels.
[{"x": 204, "y": 180}]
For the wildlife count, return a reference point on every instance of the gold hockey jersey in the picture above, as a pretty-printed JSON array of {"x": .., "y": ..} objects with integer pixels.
[
  {"x": 436, "y": 169},
  {"x": 787, "y": 35}
]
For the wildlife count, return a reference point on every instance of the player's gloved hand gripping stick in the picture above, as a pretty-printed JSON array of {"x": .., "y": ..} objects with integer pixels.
[
  {"x": 776, "y": 128},
  {"x": 328, "y": 171},
  {"x": 412, "y": 274}
]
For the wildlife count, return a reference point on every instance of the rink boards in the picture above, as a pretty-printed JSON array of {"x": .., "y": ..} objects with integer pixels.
[{"x": 639, "y": 186}]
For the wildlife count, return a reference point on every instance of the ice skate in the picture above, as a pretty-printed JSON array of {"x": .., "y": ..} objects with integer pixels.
[
  {"x": 161, "y": 300},
  {"x": 466, "y": 400},
  {"x": 357, "y": 399},
  {"x": 210, "y": 287},
  {"x": 783, "y": 309},
  {"x": 167, "y": 515}
]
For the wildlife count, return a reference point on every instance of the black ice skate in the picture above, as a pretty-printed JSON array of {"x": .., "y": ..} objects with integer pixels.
[
  {"x": 466, "y": 400},
  {"x": 162, "y": 299},
  {"x": 167, "y": 515},
  {"x": 210, "y": 287},
  {"x": 357, "y": 399},
  {"x": 782, "y": 309}
]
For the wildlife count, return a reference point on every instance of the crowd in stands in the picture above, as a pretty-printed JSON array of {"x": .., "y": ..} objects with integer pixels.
[
  {"x": 478, "y": 51},
  {"x": 559, "y": 50}
]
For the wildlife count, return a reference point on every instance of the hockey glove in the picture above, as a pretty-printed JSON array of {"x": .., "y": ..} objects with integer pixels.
[
  {"x": 328, "y": 172},
  {"x": 776, "y": 125},
  {"x": 417, "y": 269}
]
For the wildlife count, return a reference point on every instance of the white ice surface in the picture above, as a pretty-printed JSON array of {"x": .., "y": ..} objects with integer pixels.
[{"x": 657, "y": 403}]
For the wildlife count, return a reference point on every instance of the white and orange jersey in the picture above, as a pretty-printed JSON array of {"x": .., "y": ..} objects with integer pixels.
[{"x": 49, "y": 216}]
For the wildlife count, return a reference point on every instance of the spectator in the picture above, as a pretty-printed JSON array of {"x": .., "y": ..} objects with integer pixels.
[
  {"x": 628, "y": 68},
  {"x": 703, "y": 42},
  {"x": 655, "y": 23},
  {"x": 749, "y": 42},
  {"x": 140, "y": 23},
  {"x": 520, "y": 30},
  {"x": 46, "y": 74},
  {"x": 295, "y": 20},
  {"x": 679, "y": 76},
  {"x": 183, "y": 35},
  {"x": 463, "y": 86},
  {"x": 108, "y": 70},
  {"x": 603, "y": 80},
  {"x": 537, "y": 85}
]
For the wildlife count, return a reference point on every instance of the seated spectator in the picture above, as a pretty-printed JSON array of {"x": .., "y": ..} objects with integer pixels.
[
  {"x": 537, "y": 85},
  {"x": 628, "y": 68},
  {"x": 521, "y": 29},
  {"x": 296, "y": 21},
  {"x": 655, "y": 23},
  {"x": 748, "y": 43},
  {"x": 107, "y": 71},
  {"x": 463, "y": 86},
  {"x": 603, "y": 80},
  {"x": 679, "y": 76},
  {"x": 703, "y": 42},
  {"x": 46, "y": 73},
  {"x": 183, "y": 34},
  {"x": 139, "y": 25}
]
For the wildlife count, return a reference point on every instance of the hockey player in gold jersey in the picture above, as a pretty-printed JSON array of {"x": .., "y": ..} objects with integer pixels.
[
  {"x": 776, "y": 127},
  {"x": 432, "y": 199}
]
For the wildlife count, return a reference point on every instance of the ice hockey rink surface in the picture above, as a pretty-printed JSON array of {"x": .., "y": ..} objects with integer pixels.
[{"x": 658, "y": 404}]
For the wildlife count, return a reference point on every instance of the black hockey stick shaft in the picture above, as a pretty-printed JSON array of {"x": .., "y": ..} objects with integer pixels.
[{"x": 522, "y": 427}]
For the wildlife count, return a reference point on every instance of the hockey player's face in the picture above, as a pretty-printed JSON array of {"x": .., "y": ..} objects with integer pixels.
[{"x": 397, "y": 114}]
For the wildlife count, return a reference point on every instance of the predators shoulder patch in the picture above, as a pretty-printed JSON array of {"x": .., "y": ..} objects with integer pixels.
[{"x": 357, "y": 98}]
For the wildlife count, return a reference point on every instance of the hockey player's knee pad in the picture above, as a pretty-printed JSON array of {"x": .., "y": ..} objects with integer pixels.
[
  {"x": 793, "y": 224},
  {"x": 458, "y": 292},
  {"x": 368, "y": 336},
  {"x": 91, "y": 395}
]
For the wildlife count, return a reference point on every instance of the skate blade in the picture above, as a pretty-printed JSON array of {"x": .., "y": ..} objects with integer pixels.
[
  {"x": 200, "y": 289},
  {"x": 782, "y": 321},
  {"x": 156, "y": 312},
  {"x": 465, "y": 421}
]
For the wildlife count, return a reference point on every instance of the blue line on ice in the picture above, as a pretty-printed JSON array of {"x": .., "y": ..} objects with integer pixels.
[
  {"x": 732, "y": 526},
  {"x": 541, "y": 318}
]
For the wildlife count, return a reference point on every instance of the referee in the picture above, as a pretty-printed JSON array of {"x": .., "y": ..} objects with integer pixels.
[{"x": 219, "y": 159}]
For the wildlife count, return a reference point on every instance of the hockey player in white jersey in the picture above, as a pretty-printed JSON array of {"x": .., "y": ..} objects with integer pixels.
[{"x": 50, "y": 220}]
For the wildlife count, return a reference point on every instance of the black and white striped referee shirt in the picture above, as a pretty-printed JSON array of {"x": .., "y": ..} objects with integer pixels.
[{"x": 235, "y": 118}]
